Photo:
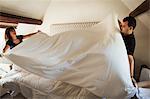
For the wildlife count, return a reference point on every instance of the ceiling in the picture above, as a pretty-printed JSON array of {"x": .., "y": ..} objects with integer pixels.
[
  {"x": 37, "y": 8},
  {"x": 27, "y": 8},
  {"x": 133, "y": 4}
]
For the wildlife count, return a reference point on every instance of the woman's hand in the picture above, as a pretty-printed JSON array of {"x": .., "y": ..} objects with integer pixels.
[{"x": 39, "y": 31}]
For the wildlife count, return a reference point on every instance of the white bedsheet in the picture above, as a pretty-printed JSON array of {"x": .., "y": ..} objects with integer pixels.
[
  {"x": 22, "y": 81},
  {"x": 144, "y": 93},
  {"x": 94, "y": 60}
]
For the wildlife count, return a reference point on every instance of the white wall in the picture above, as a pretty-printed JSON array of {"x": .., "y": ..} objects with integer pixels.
[
  {"x": 23, "y": 29},
  {"x": 149, "y": 46},
  {"x": 2, "y": 39}
]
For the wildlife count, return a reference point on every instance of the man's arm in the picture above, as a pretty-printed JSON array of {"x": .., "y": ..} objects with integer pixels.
[{"x": 131, "y": 62}]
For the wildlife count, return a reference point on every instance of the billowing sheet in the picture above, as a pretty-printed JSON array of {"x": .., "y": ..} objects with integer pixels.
[
  {"x": 143, "y": 93},
  {"x": 94, "y": 59}
]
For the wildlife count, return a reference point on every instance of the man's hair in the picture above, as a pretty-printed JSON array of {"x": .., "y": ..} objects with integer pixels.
[{"x": 131, "y": 21}]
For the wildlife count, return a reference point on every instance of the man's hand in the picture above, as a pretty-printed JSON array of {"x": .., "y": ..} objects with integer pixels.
[{"x": 134, "y": 82}]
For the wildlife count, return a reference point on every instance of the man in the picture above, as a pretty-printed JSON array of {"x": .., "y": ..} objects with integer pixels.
[{"x": 127, "y": 30}]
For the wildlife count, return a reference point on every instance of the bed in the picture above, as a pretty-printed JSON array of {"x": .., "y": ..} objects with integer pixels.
[
  {"x": 78, "y": 67},
  {"x": 19, "y": 80}
]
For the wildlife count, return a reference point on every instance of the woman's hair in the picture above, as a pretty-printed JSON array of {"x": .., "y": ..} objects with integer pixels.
[{"x": 7, "y": 33}]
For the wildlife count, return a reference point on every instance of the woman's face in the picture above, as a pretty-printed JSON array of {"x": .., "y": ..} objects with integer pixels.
[{"x": 13, "y": 33}]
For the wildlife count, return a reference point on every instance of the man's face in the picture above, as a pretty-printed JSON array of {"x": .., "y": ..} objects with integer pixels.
[{"x": 125, "y": 28}]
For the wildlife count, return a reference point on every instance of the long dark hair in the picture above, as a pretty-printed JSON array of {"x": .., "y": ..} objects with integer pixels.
[{"x": 7, "y": 33}]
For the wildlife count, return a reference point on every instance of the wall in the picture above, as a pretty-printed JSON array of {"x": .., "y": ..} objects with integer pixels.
[
  {"x": 2, "y": 39},
  {"x": 23, "y": 29},
  {"x": 149, "y": 46},
  {"x": 142, "y": 49},
  {"x": 142, "y": 40}
]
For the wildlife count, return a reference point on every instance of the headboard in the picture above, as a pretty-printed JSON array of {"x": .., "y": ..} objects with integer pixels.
[{"x": 63, "y": 27}]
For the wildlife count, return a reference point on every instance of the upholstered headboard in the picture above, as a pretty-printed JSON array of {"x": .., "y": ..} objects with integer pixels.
[{"x": 63, "y": 27}]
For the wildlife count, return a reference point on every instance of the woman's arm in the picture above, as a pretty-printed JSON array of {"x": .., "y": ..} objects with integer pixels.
[
  {"x": 28, "y": 35},
  {"x": 6, "y": 48}
]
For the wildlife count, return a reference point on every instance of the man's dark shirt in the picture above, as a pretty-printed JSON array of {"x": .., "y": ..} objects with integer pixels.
[
  {"x": 12, "y": 44},
  {"x": 130, "y": 43}
]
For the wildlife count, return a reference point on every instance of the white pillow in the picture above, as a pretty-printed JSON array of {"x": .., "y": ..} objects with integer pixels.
[
  {"x": 4, "y": 68},
  {"x": 145, "y": 74}
]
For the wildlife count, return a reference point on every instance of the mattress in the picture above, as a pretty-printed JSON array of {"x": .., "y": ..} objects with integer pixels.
[{"x": 22, "y": 81}]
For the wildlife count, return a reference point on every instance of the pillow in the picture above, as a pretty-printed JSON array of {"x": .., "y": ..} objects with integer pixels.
[
  {"x": 4, "y": 68},
  {"x": 145, "y": 74}
]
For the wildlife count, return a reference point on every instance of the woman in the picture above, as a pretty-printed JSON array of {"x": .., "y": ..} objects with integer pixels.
[{"x": 13, "y": 39}]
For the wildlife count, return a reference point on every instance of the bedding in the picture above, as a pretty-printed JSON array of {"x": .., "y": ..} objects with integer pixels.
[
  {"x": 47, "y": 89},
  {"x": 144, "y": 93},
  {"x": 3, "y": 91},
  {"x": 8, "y": 82},
  {"x": 94, "y": 60},
  {"x": 22, "y": 81}
]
